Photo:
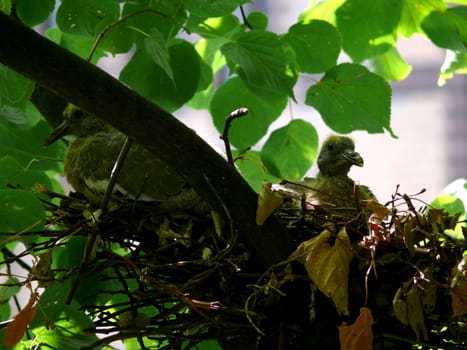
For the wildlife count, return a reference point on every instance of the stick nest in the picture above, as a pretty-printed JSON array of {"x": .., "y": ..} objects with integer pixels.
[{"x": 174, "y": 280}]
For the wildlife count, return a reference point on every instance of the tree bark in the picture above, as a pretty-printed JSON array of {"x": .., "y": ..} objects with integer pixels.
[{"x": 90, "y": 88}]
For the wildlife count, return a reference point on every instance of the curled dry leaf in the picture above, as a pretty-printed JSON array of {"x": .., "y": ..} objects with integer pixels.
[
  {"x": 358, "y": 335},
  {"x": 458, "y": 288},
  {"x": 16, "y": 329},
  {"x": 327, "y": 265},
  {"x": 268, "y": 201}
]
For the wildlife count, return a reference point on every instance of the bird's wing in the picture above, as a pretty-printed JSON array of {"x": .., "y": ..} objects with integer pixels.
[{"x": 143, "y": 175}]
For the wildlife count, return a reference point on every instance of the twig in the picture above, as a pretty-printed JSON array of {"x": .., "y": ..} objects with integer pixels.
[
  {"x": 225, "y": 133},
  {"x": 118, "y": 165},
  {"x": 245, "y": 20},
  {"x": 101, "y": 34}
]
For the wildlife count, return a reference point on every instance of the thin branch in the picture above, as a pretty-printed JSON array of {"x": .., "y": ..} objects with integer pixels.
[{"x": 225, "y": 133}]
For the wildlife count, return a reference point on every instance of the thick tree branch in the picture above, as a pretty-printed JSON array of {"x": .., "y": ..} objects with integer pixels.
[{"x": 88, "y": 87}]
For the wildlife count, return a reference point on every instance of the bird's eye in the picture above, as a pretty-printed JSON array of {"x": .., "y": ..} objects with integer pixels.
[{"x": 330, "y": 147}]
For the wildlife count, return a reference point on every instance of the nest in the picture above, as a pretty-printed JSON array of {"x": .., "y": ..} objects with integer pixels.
[{"x": 173, "y": 280}]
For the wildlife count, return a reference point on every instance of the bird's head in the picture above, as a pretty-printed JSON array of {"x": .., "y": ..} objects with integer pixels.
[
  {"x": 337, "y": 156},
  {"x": 76, "y": 122}
]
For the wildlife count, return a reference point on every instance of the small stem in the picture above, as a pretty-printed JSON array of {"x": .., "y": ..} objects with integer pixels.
[
  {"x": 118, "y": 165},
  {"x": 225, "y": 134}
]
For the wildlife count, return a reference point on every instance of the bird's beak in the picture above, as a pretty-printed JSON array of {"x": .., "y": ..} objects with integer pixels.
[
  {"x": 353, "y": 157},
  {"x": 57, "y": 133}
]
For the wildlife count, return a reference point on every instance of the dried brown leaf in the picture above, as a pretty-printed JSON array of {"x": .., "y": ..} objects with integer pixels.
[
  {"x": 358, "y": 335},
  {"x": 408, "y": 307},
  {"x": 400, "y": 307},
  {"x": 16, "y": 329},
  {"x": 415, "y": 312},
  {"x": 268, "y": 201},
  {"x": 327, "y": 265},
  {"x": 458, "y": 288}
]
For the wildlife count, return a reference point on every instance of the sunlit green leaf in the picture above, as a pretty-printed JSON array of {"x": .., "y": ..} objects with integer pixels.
[
  {"x": 247, "y": 130},
  {"x": 368, "y": 27},
  {"x": 317, "y": 45},
  {"x": 291, "y": 150},
  {"x": 391, "y": 65},
  {"x": 448, "y": 29},
  {"x": 261, "y": 62},
  {"x": 5, "y": 6},
  {"x": 323, "y": 10},
  {"x": 454, "y": 63},
  {"x": 350, "y": 98},
  {"x": 413, "y": 13},
  {"x": 254, "y": 170}
]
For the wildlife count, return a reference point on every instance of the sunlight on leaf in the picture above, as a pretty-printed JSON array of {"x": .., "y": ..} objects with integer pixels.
[
  {"x": 268, "y": 201},
  {"x": 327, "y": 265}
]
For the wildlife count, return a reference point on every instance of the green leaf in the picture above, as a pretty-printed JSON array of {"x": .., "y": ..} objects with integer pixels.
[
  {"x": 253, "y": 169},
  {"x": 202, "y": 98},
  {"x": 257, "y": 20},
  {"x": 218, "y": 30},
  {"x": 157, "y": 48},
  {"x": 456, "y": 189},
  {"x": 20, "y": 210},
  {"x": 26, "y": 146},
  {"x": 391, "y": 65},
  {"x": 368, "y": 27},
  {"x": 247, "y": 130},
  {"x": 291, "y": 150},
  {"x": 262, "y": 63},
  {"x": 77, "y": 44},
  {"x": 20, "y": 116},
  {"x": 222, "y": 28},
  {"x": 14, "y": 88},
  {"x": 8, "y": 289},
  {"x": 317, "y": 45},
  {"x": 453, "y": 199},
  {"x": 167, "y": 16},
  {"x": 65, "y": 335},
  {"x": 454, "y": 63},
  {"x": 32, "y": 13},
  {"x": 325, "y": 10},
  {"x": 16, "y": 175},
  {"x": 448, "y": 29},
  {"x": 413, "y": 13},
  {"x": 5, "y": 6},
  {"x": 212, "y": 8},
  {"x": 86, "y": 17},
  {"x": 349, "y": 98},
  {"x": 152, "y": 82}
]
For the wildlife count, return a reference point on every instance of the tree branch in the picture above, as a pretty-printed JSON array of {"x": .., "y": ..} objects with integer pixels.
[{"x": 90, "y": 88}]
